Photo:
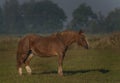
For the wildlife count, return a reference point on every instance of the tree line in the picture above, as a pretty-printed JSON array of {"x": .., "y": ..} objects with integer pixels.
[
  {"x": 30, "y": 17},
  {"x": 46, "y": 17},
  {"x": 84, "y": 17}
]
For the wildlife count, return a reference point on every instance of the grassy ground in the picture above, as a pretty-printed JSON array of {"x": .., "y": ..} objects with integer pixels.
[{"x": 80, "y": 66}]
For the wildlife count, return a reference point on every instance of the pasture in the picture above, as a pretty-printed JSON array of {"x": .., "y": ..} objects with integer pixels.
[{"x": 96, "y": 65}]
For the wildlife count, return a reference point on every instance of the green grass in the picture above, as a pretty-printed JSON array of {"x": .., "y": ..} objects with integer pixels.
[{"x": 80, "y": 66}]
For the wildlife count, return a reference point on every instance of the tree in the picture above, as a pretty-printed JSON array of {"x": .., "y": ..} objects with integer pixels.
[
  {"x": 82, "y": 16},
  {"x": 43, "y": 16},
  {"x": 12, "y": 17},
  {"x": 98, "y": 25},
  {"x": 112, "y": 21}
]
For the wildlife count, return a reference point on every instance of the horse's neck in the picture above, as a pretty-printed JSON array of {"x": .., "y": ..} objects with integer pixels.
[{"x": 68, "y": 39}]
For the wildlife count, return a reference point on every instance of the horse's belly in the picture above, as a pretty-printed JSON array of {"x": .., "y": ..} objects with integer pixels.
[
  {"x": 45, "y": 53},
  {"x": 48, "y": 49}
]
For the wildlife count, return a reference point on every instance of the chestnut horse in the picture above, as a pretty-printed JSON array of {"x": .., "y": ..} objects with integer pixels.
[{"x": 53, "y": 45}]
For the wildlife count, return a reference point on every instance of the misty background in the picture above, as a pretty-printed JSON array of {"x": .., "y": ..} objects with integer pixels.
[
  {"x": 105, "y": 6},
  {"x": 100, "y": 20}
]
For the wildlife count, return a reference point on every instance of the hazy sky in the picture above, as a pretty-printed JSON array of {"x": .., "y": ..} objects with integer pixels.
[{"x": 104, "y": 6}]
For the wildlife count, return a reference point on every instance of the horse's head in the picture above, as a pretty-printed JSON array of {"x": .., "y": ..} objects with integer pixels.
[{"x": 82, "y": 40}]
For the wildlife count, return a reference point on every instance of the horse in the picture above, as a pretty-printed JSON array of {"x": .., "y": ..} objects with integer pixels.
[{"x": 46, "y": 46}]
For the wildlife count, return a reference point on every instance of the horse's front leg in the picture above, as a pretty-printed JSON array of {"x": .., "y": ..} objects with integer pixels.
[{"x": 60, "y": 64}]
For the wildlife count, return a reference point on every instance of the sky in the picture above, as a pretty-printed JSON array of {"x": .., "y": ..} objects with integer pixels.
[{"x": 103, "y": 6}]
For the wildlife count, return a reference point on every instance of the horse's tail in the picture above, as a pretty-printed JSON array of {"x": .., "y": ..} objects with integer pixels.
[{"x": 22, "y": 51}]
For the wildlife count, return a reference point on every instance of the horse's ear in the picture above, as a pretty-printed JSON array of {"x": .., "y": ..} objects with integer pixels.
[{"x": 81, "y": 31}]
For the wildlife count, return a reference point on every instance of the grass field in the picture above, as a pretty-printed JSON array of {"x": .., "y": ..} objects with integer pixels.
[{"x": 96, "y": 65}]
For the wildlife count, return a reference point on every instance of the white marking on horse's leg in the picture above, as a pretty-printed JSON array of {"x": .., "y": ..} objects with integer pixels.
[
  {"x": 30, "y": 56},
  {"x": 60, "y": 71},
  {"x": 20, "y": 71},
  {"x": 28, "y": 69}
]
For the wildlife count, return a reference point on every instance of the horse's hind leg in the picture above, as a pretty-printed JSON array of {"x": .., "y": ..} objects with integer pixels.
[
  {"x": 27, "y": 62},
  {"x": 20, "y": 69},
  {"x": 20, "y": 63},
  {"x": 23, "y": 59}
]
